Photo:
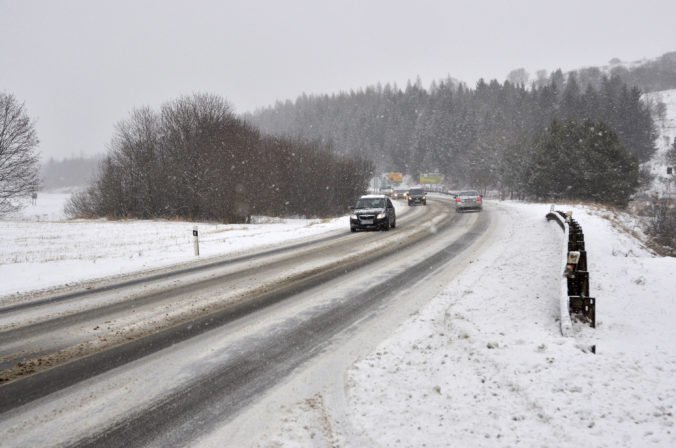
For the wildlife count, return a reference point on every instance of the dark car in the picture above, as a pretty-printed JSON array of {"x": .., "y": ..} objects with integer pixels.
[
  {"x": 417, "y": 196},
  {"x": 373, "y": 212},
  {"x": 468, "y": 200}
]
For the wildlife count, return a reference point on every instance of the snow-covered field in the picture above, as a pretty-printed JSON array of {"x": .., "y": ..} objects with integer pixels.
[
  {"x": 40, "y": 249},
  {"x": 483, "y": 364}
]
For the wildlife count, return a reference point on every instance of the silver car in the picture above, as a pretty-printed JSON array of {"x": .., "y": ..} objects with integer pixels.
[{"x": 468, "y": 200}]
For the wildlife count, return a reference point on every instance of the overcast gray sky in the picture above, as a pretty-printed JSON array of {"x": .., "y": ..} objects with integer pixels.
[{"x": 82, "y": 65}]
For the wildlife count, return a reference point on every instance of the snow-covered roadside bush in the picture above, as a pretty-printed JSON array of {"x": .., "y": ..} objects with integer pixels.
[{"x": 662, "y": 227}]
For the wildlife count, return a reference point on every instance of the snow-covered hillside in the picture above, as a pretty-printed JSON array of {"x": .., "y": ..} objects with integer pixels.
[{"x": 666, "y": 128}]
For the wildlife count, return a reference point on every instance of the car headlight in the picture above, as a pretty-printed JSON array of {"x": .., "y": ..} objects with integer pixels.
[
  {"x": 353, "y": 216},
  {"x": 381, "y": 216}
]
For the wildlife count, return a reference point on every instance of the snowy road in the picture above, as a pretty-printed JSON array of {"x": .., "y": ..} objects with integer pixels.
[
  {"x": 187, "y": 351},
  {"x": 45, "y": 331},
  {"x": 470, "y": 355}
]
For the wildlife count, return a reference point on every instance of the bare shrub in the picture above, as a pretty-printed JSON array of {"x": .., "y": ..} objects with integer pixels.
[
  {"x": 662, "y": 226},
  {"x": 196, "y": 160}
]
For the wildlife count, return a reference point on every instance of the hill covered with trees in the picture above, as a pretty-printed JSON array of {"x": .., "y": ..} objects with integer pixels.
[
  {"x": 486, "y": 136},
  {"x": 649, "y": 76}
]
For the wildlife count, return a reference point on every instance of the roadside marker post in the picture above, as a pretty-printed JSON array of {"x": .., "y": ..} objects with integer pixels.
[{"x": 195, "y": 241}]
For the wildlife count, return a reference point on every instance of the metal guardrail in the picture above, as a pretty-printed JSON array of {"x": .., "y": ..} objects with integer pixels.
[{"x": 575, "y": 300}]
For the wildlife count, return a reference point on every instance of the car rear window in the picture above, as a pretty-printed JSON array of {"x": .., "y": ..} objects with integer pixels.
[{"x": 468, "y": 193}]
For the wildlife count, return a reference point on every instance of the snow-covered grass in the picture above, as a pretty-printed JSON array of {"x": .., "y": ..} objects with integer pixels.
[
  {"x": 40, "y": 249},
  {"x": 47, "y": 207}
]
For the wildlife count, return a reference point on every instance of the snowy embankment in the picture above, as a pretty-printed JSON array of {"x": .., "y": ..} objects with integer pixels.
[
  {"x": 40, "y": 249},
  {"x": 484, "y": 363}
]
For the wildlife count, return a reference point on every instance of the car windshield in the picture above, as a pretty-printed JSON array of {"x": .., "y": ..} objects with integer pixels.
[
  {"x": 416, "y": 191},
  {"x": 370, "y": 203},
  {"x": 468, "y": 193}
]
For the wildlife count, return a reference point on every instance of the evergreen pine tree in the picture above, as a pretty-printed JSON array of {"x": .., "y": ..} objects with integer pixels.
[
  {"x": 571, "y": 107},
  {"x": 583, "y": 161}
]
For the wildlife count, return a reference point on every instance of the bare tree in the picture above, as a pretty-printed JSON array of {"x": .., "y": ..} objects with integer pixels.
[
  {"x": 195, "y": 159},
  {"x": 135, "y": 147},
  {"x": 542, "y": 78},
  {"x": 19, "y": 168},
  {"x": 518, "y": 76}
]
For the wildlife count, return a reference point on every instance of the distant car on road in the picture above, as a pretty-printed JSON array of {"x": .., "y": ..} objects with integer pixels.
[
  {"x": 417, "y": 196},
  {"x": 399, "y": 194},
  {"x": 468, "y": 200},
  {"x": 373, "y": 212},
  {"x": 387, "y": 190}
]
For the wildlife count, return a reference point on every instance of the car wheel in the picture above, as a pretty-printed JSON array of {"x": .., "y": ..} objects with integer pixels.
[
  {"x": 394, "y": 223},
  {"x": 409, "y": 204},
  {"x": 352, "y": 229}
]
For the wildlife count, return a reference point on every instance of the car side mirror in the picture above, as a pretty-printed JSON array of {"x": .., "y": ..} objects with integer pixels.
[{"x": 351, "y": 207}]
